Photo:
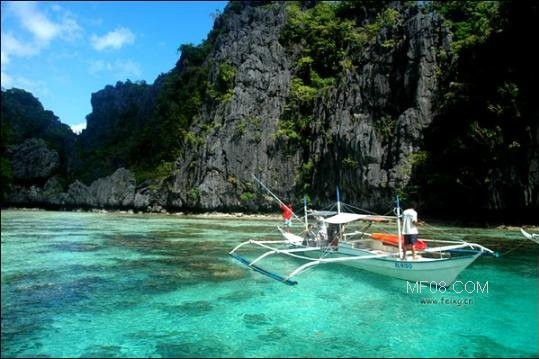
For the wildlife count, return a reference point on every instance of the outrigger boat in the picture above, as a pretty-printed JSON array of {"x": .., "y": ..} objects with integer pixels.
[{"x": 439, "y": 261}]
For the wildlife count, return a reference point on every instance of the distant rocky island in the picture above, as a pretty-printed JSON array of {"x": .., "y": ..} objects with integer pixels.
[{"x": 433, "y": 101}]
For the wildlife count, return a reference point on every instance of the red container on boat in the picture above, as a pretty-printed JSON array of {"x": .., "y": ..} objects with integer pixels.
[{"x": 391, "y": 239}]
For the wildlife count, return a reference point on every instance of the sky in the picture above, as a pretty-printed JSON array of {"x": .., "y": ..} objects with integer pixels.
[{"x": 63, "y": 51}]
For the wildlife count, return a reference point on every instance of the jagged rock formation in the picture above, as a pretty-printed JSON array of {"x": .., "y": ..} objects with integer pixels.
[
  {"x": 400, "y": 80},
  {"x": 33, "y": 161},
  {"x": 115, "y": 191},
  {"x": 118, "y": 115},
  {"x": 216, "y": 174},
  {"x": 365, "y": 131},
  {"x": 351, "y": 149}
]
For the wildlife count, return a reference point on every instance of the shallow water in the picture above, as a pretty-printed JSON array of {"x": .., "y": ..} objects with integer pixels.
[{"x": 118, "y": 285}]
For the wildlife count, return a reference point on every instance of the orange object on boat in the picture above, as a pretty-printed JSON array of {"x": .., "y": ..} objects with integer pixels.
[{"x": 392, "y": 239}]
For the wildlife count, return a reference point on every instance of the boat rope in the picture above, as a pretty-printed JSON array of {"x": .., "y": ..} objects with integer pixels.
[
  {"x": 434, "y": 231},
  {"x": 264, "y": 235},
  {"x": 512, "y": 249},
  {"x": 274, "y": 196},
  {"x": 330, "y": 207},
  {"x": 429, "y": 229},
  {"x": 346, "y": 205}
]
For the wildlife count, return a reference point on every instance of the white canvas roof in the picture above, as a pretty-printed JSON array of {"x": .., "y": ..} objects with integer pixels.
[{"x": 343, "y": 217}]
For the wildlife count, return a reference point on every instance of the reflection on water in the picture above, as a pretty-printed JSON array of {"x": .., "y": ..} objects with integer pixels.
[{"x": 116, "y": 285}]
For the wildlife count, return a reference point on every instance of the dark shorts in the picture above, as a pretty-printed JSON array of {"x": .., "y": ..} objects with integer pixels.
[{"x": 410, "y": 239}]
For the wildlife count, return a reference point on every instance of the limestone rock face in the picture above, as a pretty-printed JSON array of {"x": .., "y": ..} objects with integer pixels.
[
  {"x": 216, "y": 174},
  {"x": 32, "y": 160},
  {"x": 79, "y": 194},
  {"x": 116, "y": 190},
  {"x": 362, "y": 136},
  {"x": 363, "y": 133},
  {"x": 369, "y": 126},
  {"x": 111, "y": 105}
]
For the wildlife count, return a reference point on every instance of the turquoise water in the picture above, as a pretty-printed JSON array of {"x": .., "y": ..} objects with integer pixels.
[{"x": 119, "y": 285}]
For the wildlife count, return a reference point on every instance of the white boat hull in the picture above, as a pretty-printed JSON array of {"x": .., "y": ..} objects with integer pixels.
[
  {"x": 442, "y": 271},
  {"x": 439, "y": 264}
]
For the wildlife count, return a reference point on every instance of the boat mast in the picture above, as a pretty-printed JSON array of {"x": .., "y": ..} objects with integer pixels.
[
  {"x": 339, "y": 211},
  {"x": 338, "y": 201},
  {"x": 399, "y": 226},
  {"x": 305, "y": 211}
]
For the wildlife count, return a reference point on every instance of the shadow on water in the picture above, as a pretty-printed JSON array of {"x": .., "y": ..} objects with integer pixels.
[
  {"x": 147, "y": 276},
  {"x": 103, "y": 351},
  {"x": 151, "y": 245},
  {"x": 273, "y": 334},
  {"x": 192, "y": 309},
  {"x": 73, "y": 247},
  {"x": 242, "y": 295},
  {"x": 253, "y": 321},
  {"x": 39, "y": 298},
  {"x": 189, "y": 346},
  {"x": 484, "y": 347},
  {"x": 367, "y": 278}
]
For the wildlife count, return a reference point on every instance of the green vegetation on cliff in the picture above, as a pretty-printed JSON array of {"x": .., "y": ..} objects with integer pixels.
[
  {"x": 160, "y": 133},
  {"x": 114, "y": 135},
  {"x": 23, "y": 117},
  {"x": 471, "y": 22},
  {"x": 327, "y": 41},
  {"x": 481, "y": 149}
]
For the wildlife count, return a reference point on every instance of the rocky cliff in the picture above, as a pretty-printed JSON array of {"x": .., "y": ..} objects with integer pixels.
[
  {"x": 394, "y": 86},
  {"x": 119, "y": 115},
  {"x": 308, "y": 97},
  {"x": 33, "y": 161}
]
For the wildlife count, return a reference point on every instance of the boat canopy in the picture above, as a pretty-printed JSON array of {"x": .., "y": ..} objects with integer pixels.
[
  {"x": 344, "y": 217},
  {"x": 321, "y": 213}
]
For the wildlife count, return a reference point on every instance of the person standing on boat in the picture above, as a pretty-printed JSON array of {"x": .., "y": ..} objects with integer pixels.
[
  {"x": 409, "y": 230},
  {"x": 287, "y": 215},
  {"x": 322, "y": 235}
]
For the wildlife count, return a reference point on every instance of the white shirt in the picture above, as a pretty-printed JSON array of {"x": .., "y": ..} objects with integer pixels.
[
  {"x": 322, "y": 230},
  {"x": 408, "y": 217}
]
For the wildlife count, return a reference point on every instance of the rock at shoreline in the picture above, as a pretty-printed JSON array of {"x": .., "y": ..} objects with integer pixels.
[{"x": 116, "y": 190}]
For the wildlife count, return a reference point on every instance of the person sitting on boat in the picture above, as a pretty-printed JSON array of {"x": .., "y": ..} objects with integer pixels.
[
  {"x": 333, "y": 235},
  {"x": 287, "y": 215},
  {"x": 308, "y": 235},
  {"x": 409, "y": 230}
]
